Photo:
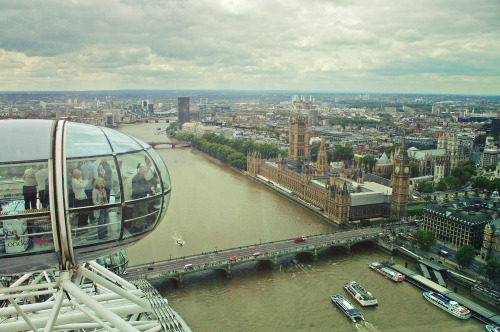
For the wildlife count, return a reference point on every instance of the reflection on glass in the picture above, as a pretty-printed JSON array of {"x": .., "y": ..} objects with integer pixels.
[
  {"x": 105, "y": 226},
  {"x": 162, "y": 169},
  {"x": 87, "y": 171},
  {"x": 130, "y": 166},
  {"x": 24, "y": 233},
  {"x": 121, "y": 142},
  {"x": 142, "y": 218},
  {"x": 166, "y": 200},
  {"x": 25, "y": 140},
  {"x": 24, "y": 187},
  {"x": 116, "y": 262},
  {"x": 83, "y": 140}
]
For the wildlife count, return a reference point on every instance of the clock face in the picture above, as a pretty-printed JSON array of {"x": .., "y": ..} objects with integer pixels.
[
  {"x": 407, "y": 170},
  {"x": 396, "y": 169}
]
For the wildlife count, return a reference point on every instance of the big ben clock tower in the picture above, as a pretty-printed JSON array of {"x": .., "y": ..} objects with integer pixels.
[{"x": 400, "y": 184}]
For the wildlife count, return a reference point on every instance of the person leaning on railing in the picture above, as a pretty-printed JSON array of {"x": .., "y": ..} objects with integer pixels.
[
  {"x": 140, "y": 188},
  {"x": 80, "y": 197},
  {"x": 29, "y": 188}
]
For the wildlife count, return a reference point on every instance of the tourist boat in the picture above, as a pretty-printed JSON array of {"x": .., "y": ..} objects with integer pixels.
[
  {"x": 363, "y": 297},
  {"x": 387, "y": 272},
  {"x": 179, "y": 240},
  {"x": 351, "y": 311},
  {"x": 447, "y": 305}
]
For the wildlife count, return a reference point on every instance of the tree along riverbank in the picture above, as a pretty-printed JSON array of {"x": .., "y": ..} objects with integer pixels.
[{"x": 231, "y": 152}]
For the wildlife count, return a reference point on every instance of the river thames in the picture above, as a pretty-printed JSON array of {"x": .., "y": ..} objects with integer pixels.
[{"x": 214, "y": 207}]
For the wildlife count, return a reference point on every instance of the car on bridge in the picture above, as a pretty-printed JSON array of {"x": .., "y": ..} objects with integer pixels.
[
  {"x": 233, "y": 258},
  {"x": 299, "y": 239},
  {"x": 256, "y": 254}
]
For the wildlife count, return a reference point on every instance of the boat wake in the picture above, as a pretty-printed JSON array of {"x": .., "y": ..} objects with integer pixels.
[
  {"x": 178, "y": 240},
  {"x": 300, "y": 267},
  {"x": 365, "y": 327}
]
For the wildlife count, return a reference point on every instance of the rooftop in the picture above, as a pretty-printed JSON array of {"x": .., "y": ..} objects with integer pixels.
[{"x": 469, "y": 210}]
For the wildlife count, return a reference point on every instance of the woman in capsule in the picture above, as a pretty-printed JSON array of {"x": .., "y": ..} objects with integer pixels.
[{"x": 99, "y": 197}]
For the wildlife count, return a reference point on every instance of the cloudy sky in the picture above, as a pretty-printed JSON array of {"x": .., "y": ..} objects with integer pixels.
[{"x": 406, "y": 46}]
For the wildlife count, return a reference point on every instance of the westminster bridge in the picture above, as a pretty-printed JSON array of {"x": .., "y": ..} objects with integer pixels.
[
  {"x": 271, "y": 252},
  {"x": 172, "y": 144}
]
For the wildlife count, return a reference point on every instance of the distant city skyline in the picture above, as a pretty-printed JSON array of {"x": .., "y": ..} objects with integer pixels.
[{"x": 416, "y": 47}]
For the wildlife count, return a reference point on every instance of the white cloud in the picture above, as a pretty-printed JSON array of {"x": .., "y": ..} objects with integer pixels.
[{"x": 380, "y": 45}]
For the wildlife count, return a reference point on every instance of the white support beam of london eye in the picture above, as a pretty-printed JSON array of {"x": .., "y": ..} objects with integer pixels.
[
  {"x": 111, "y": 276},
  {"x": 92, "y": 316},
  {"x": 102, "y": 311},
  {"x": 114, "y": 288},
  {"x": 54, "y": 313},
  {"x": 23, "y": 314}
]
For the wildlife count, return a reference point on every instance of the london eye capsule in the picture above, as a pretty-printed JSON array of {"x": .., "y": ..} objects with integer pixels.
[{"x": 72, "y": 192}]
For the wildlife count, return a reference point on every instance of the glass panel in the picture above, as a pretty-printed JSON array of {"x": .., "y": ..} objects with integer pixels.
[
  {"x": 130, "y": 167},
  {"x": 144, "y": 144},
  {"x": 11, "y": 187},
  {"x": 154, "y": 207},
  {"x": 23, "y": 187},
  {"x": 121, "y": 142},
  {"x": 166, "y": 200},
  {"x": 116, "y": 262},
  {"x": 105, "y": 226},
  {"x": 140, "y": 217},
  {"x": 27, "y": 139},
  {"x": 162, "y": 169},
  {"x": 83, "y": 140},
  {"x": 25, "y": 233},
  {"x": 82, "y": 176}
]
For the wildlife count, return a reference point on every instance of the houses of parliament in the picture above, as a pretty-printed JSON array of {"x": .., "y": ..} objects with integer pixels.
[{"x": 341, "y": 195}]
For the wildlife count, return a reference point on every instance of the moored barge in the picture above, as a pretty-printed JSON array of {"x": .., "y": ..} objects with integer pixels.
[
  {"x": 387, "y": 272},
  {"x": 447, "y": 305}
]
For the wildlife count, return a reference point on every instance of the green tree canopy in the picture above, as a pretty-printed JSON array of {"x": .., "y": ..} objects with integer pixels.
[
  {"x": 424, "y": 147},
  {"x": 465, "y": 255},
  {"x": 232, "y": 152},
  {"x": 369, "y": 161},
  {"x": 426, "y": 187},
  {"x": 414, "y": 169},
  {"x": 441, "y": 186},
  {"x": 491, "y": 167},
  {"x": 452, "y": 182},
  {"x": 314, "y": 150},
  {"x": 492, "y": 269},
  {"x": 343, "y": 153},
  {"x": 173, "y": 126},
  {"x": 480, "y": 182},
  {"x": 425, "y": 239},
  {"x": 494, "y": 185}
]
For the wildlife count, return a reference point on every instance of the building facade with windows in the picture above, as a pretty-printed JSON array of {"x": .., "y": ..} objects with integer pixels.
[
  {"x": 459, "y": 221},
  {"x": 491, "y": 240}
]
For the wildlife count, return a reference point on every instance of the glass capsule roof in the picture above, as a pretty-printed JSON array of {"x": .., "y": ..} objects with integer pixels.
[
  {"x": 32, "y": 140},
  {"x": 25, "y": 140}
]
